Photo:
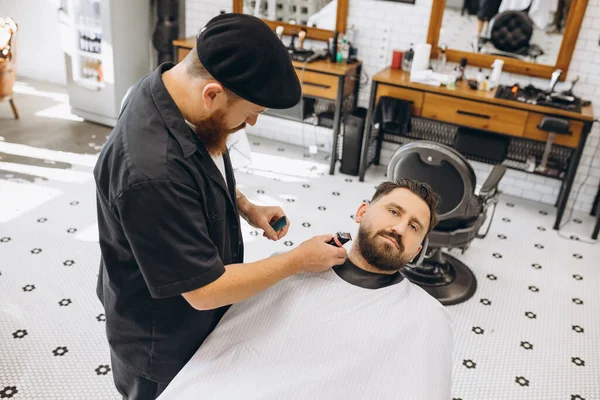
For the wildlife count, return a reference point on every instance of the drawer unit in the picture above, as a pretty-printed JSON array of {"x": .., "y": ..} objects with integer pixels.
[
  {"x": 474, "y": 114},
  {"x": 404, "y": 94}
]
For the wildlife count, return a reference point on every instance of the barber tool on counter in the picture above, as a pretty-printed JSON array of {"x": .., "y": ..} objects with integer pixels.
[
  {"x": 301, "y": 37},
  {"x": 569, "y": 92},
  {"x": 279, "y": 32},
  {"x": 554, "y": 80},
  {"x": 292, "y": 46},
  {"x": 529, "y": 94}
]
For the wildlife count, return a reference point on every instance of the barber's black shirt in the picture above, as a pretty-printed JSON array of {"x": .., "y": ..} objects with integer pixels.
[{"x": 168, "y": 223}]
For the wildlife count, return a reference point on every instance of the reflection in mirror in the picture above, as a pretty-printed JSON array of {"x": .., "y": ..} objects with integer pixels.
[
  {"x": 313, "y": 13},
  {"x": 529, "y": 30}
]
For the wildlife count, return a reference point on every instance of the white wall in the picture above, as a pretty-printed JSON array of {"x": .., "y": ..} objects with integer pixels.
[
  {"x": 383, "y": 26},
  {"x": 40, "y": 53}
]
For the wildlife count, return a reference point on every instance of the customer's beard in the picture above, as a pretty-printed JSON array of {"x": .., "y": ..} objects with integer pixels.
[
  {"x": 213, "y": 133},
  {"x": 379, "y": 253}
]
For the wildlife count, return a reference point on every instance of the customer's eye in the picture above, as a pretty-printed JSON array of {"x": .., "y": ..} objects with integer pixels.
[{"x": 393, "y": 211}]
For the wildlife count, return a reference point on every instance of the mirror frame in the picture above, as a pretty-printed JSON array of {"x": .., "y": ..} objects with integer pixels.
[
  {"x": 311, "y": 33},
  {"x": 563, "y": 60}
]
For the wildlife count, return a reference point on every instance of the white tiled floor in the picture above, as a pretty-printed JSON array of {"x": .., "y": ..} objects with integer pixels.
[{"x": 531, "y": 331}]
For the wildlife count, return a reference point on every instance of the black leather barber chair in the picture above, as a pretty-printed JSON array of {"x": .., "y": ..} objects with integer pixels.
[
  {"x": 462, "y": 213},
  {"x": 510, "y": 33}
]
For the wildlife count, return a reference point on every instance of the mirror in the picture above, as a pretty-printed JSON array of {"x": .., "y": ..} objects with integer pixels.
[
  {"x": 533, "y": 37},
  {"x": 319, "y": 18},
  {"x": 527, "y": 30},
  {"x": 317, "y": 13}
]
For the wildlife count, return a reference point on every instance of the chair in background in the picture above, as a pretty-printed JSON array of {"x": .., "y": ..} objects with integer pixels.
[
  {"x": 462, "y": 212},
  {"x": 8, "y": 71},
  {"x": 510, "y": 33}
]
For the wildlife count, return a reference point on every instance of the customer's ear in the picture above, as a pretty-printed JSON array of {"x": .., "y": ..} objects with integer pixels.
[
  {"x": 417, "y": 253},
  {"x": 358, "y": 217}
]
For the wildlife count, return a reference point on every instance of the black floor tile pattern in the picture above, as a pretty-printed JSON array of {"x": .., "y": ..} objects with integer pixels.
[{"x": 530, "y": 331}]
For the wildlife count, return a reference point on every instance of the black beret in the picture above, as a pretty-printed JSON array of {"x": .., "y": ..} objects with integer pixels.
[{"x": 243, "y": 54}]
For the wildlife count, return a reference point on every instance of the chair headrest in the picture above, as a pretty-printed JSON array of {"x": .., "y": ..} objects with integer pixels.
[
  {"x": 511, "y": 31},
  {"x": 441, "y": 167}
]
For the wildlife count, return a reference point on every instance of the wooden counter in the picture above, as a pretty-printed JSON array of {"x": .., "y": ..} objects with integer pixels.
[
  {"x": 324, "y": 66},
  {"x": 478, "y": 109},
  {"x": 397, "y": 77},
  {"x": 319, "y": 78}
]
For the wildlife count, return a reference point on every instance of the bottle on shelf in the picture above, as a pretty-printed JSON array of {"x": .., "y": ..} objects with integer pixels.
[
  {"x": 340, "y": 51},
  {"x": 442, "y": 59},
  {"x": 85, "y": 70},
  {"x": 351, "y": 35},
  {"x": 480, "y": 79},
  {"x": 334, "y": 48},
  {"x": 345, "y": 49},
  {"x": 408, "y": 58},
  {"x": 460, "y": 69}
]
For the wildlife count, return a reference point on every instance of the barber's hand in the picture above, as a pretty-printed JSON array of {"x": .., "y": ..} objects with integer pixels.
[
  {"x": 261, "y": 217},
  {"x": 316, "y": 255}
]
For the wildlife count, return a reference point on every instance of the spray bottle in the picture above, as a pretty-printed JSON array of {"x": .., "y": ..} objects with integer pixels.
[{"x": 496, "y": 72}]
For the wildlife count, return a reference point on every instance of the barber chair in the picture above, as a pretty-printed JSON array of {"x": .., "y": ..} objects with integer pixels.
[
  {"x": 510, "y": 33},
  {"x": 553, "y": 126},
  {"x": 8, "y": 71},
  {"x": 462, "y": 213}
]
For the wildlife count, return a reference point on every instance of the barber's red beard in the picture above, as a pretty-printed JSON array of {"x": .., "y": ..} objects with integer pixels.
[{"x": 213, "y": 133}]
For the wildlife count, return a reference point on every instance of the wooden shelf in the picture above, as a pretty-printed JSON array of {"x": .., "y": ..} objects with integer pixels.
[{"x": 322, "y": 66}]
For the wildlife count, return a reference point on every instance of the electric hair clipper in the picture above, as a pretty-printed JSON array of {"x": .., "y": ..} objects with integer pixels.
[{"x": 343, "y": 237}]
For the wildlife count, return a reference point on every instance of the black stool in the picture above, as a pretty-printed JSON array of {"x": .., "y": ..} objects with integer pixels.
[{"x": 553, "y": 126}]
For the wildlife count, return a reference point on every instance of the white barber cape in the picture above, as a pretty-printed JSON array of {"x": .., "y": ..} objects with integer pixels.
[{"x": 316, "y": 336}]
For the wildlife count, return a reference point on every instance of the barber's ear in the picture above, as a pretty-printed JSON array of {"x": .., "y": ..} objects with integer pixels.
[{"x": 212, "y": 94}]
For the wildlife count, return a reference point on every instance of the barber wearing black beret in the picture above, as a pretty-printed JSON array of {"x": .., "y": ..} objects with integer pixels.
[{"x": 168, "y": 208}]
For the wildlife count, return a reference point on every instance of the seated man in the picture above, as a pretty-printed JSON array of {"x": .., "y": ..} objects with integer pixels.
[{"x": 357, "y": 331}]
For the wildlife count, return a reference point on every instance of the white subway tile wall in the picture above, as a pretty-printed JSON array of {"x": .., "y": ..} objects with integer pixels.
[{"x": 381, "y": 27}]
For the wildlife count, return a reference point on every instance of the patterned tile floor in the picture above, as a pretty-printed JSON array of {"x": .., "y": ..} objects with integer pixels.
[{"x": 532, "y": 330}]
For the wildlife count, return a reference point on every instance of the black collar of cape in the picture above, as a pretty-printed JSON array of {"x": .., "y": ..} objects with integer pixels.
[{"x": 365, "y": 279}]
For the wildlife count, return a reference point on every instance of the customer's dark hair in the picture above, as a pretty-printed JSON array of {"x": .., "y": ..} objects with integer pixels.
[{"x": 423, "y": 190}]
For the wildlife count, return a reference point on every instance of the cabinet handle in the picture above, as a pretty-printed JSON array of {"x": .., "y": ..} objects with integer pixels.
[
  {"x": 316, "y": 84},
  {"x": 471, "y": 114}
]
